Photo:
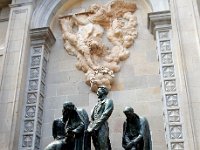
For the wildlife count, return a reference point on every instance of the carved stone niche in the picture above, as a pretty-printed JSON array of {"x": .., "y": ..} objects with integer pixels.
[{"x": 85, "y": 33}]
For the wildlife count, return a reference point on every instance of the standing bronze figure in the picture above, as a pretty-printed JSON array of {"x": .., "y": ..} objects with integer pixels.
[
  {"x": 136, "y": 132},
  {"x": 98, "y": 127},
  {"x": 68, "y": 131}
]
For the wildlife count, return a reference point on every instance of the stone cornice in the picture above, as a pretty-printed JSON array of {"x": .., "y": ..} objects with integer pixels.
[
  {"x": 158, "y": 19},
  {"x": 4, "y": 19},
  {"x": 20, "y": 4},
  {"x": 42, "y": 36}
]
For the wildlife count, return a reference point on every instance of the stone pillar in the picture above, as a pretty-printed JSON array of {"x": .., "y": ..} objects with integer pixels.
[
  {"x": 186, "y": 37},
  {"x": 159, "y": 24},
  {"x": 12, "y": 87},
  {"x": 4, "y": 15},
  {"x": 41, "y": 41}
]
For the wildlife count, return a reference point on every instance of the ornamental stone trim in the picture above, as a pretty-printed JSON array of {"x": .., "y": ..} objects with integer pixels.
[
  {"x": 159, "y": 24},
  {"x": 41, "y": 41}
]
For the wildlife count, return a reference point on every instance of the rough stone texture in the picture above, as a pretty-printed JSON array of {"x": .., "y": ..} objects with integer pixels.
[
  {"x": 97, "y": 60},
  {"x": 136, "y": 85}
]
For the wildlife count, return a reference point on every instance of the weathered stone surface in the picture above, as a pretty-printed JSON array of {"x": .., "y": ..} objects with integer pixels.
[
  {"x": 83, "y": 33},
  {"x": 135, "y": 85}
]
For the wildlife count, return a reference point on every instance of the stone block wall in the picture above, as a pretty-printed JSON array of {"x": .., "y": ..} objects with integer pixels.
[{"x": 136, "y": 85}]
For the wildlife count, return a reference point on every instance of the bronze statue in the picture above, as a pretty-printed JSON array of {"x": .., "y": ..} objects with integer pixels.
[
  {"x": 98, "y": 127},
  {"x": 136, "y": 132},
  {"x": 68, "y": 131}
]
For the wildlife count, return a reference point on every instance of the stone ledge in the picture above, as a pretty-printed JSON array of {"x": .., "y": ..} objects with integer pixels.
[
  {"x": 42, "y": 35},
  {"x": 13, "y": 5},
  {"x": 1, "y": 52},
  {"x": 158, "y": 19}
]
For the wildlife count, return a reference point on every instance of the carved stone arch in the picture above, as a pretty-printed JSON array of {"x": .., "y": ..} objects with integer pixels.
[
  {"x": 158, "y": 5},
  {"x": 40, "y": 28},
  {"x": 42, "y": 16}
]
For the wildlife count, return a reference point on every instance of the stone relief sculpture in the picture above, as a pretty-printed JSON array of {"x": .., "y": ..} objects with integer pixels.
[
  {"x": 68, "y": 131},
  {"x": 136, "y": 132},
  {"x": 98, "y": 127},
  {"x": 86, "y": 33}
]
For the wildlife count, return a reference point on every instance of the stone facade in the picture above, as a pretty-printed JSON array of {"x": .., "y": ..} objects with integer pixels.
[{"x": 160, "y": 79}]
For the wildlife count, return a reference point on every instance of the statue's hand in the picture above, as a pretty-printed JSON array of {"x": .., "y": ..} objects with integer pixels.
[
  {"x": 89, "y": 129},
  {"x": 131, "y": 144},
  {"x": 74, "y": 131},
  {"x": 70, "y": 133}
]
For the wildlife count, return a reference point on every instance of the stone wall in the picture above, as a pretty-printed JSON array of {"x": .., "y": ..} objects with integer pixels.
[{"x": 136, "y": 85}]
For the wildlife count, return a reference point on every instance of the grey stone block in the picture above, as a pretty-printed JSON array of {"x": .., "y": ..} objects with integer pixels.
[
  {"x": 83, "y": 88},
  {"x": 79, "y": 100},
  {"x": 55, "y": 102},
  {"x": 47, "y": 129},
  {"x": 135, "y": 82},
  {"x": 51, "y": 90},
  {"x": 66, "y": 89},
  {"x": 153, "y": 80}
]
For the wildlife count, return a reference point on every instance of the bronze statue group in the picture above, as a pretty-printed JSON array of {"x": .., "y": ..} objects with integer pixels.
[{"x": 74, "y": 130}]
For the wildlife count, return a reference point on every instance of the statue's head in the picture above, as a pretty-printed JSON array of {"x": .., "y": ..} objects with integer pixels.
[
  {"x": 102, "y": 92},
  {"x": 128, "y": 111},
  {"x": 68, "y": 108}
]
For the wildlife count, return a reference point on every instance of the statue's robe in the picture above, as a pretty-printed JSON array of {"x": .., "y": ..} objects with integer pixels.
[
  {"x": 130, "y": 132},
  {"x": 78, "y": 121}
]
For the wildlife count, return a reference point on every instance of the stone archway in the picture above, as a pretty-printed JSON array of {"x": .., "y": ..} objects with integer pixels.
[
  {"x": 42, "y": 16},
  {"x": 41, "y": 28}
]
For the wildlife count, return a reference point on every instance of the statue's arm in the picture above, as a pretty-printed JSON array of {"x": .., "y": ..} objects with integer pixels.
[
  {"x": 138, "y": 138},
  {"x": 105, "y": 115},
  {"x": 141, "y": 132},
  {"x": 54, "y": 133},
  {"x": 125, "y": 139},
  {"x": 79, "y": 128},
  {"x": 130, "y": 143},
  {"x": 84, "y": 117},
  {"x": 107, "y": 111},
  {"x": 145, "y": 131},
  {"x": 92, "y": 115}
]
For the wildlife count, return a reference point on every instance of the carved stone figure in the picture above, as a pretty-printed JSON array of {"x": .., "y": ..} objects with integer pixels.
[
  {"x": 85, "y": 33},
  {"x": 98, "y": 127},
  {"x": 136, "y": 132},
  {"x": 68, "y": 131}
]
